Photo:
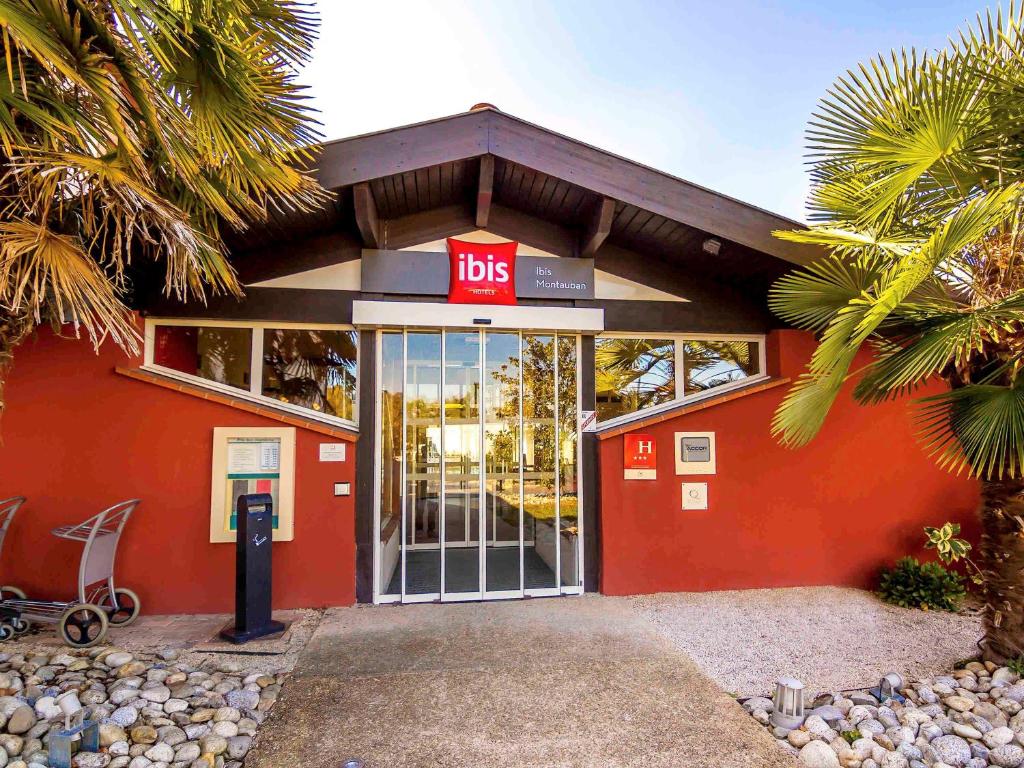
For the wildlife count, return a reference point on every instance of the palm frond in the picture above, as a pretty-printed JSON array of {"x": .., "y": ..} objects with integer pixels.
[
  {"x": 945, "y": 339},
  {"x": 978, "y": 429}
]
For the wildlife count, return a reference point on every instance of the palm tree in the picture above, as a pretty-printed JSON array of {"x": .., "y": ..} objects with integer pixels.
[
  {"x": 138, "y": 129},
  {"x": 917, "y": 166}
]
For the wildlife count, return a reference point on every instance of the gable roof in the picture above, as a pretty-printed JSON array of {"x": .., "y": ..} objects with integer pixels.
[{"x": 485, "y": 169}]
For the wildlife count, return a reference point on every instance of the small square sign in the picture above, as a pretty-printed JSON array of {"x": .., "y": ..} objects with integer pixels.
[
  {"x": 695, "y": 495},
  {"x": 695, "y": 453},
  {"x": 588, "y": 421},
  {"x": 640, "y": 458},
  {"x": 332, "y": 451}
]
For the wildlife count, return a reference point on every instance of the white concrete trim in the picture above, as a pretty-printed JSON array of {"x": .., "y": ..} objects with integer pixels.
[
  {"x": 406, "y": 313},
  {"x": 612, "y": 287},
  {"x": 346, "y": 276}
]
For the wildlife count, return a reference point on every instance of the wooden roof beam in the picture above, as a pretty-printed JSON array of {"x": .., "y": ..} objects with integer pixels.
[
  {"x": 485, "y": 190},
  {"x": 597, "y": 227},
  {"x": 366, "y": 215}
]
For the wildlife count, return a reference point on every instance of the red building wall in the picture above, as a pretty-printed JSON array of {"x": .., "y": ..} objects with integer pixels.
[
  {"x": 78, "y": 437},
  {"x": 834, "y": 512}
]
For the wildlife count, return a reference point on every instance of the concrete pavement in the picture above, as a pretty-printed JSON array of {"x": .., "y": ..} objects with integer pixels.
[{"x": 567, "y": 682}]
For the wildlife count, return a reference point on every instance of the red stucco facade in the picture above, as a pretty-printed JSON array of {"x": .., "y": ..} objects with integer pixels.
[
  {"x": 78, "y": 437},
  {"x": 833, "y": 512}
]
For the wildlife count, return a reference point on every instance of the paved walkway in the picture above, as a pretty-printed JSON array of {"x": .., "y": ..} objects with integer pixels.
[{"x": 535, "y": 683}]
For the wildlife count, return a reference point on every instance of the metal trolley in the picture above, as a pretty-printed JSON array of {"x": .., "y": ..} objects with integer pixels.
[
  {"x": 11, "y": 622},
  {"x": 83, "y": 622}
]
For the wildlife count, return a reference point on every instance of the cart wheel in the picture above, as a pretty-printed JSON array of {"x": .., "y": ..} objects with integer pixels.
[
  {"x": 82, "y": 625},
  {"x": 11, "y": 593},
  {"x": 128, "y": 607},
  {"x": 21, "y": 626},
  {"x": 6, "y": 631}
]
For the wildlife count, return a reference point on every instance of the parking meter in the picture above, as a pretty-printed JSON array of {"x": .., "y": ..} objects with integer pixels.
[{"x": 255, "y": 527}]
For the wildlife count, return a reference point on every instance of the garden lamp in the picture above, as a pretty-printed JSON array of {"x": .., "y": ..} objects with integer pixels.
[{"x": 788, "y": 703}]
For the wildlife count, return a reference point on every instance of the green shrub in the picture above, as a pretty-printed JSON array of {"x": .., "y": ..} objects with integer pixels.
[{"x": 921, "y": 585}]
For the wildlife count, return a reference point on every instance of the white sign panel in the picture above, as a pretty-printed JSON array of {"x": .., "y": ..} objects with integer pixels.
[
  {"x": 695, "y": 453},
  {"x": 589, "y": 421},
  {"x": 332, "y": 451},
  {"x": 253, "y": 456},
  {"x": 695, "y": 495}
]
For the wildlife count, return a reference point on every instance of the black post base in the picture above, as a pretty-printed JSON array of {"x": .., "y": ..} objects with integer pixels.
[{"x": 238, "y": 636}]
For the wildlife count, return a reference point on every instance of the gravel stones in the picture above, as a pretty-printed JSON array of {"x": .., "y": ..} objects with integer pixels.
[
  {"x": 151, "y": 714},
  {"x": 962, "y": 720}
]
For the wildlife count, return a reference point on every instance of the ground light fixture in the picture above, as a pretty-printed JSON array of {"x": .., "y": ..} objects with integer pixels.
[
  {"x": 888, "y": 688},
  {"x": 788, "y": 703},
  {"x": 352, "y": 762},
  {"x": 79, "y": 734}
]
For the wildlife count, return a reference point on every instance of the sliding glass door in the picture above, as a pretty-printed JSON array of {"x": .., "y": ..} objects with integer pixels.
[{"x": 478, "y": 452}]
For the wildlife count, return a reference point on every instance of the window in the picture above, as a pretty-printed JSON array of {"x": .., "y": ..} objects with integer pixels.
[
  {"x": 311, "y": 369},
  {"x": 306, "y": 370},
  {"x": 637, "y": 373},
  {"x": 710, "y": 364},
  {"x": 215, "y": 354},
  {"x": 633, "y": 374}
]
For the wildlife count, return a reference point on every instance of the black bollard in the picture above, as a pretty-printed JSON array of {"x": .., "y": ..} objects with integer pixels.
[{"x": 255, "y": 515}]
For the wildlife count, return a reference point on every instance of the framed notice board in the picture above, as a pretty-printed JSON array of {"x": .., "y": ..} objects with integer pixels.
[{"x": 252, "y": 460}]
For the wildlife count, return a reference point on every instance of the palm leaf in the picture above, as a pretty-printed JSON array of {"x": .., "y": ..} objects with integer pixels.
[{"x": 978, "y": 428}]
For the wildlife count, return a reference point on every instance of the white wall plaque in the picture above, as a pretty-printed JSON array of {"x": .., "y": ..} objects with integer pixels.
[
  {"x": 695, "y": 495},
  {"x": 332, "y": 451},
  {"x": 588, "y": 421},
  {"x": 695, "y": 453},
  {"x": 252, "y": 460}
]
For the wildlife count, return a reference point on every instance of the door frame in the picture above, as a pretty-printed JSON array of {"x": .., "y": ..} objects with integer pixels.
[{"x": 482, "y": 541}]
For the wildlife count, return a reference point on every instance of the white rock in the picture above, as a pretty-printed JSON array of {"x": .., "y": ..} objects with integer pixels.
[
  {"x": 998, "y": 736},
  {"x": 798, "y": 738},
  {"x": 160, "y": 753},
  {"x": 1006, "y": 756},
  {"x": 118, "y": 659},
  {"x": 817, "y": 754},
  {"x": 893, "y": 760}
]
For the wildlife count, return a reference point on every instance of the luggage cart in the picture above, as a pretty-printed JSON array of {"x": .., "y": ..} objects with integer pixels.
[
  {"x": 11, "y": 623},
  {"x": 83, "y": 622}
]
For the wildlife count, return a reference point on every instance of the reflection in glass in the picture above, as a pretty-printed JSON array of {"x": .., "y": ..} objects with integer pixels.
[
  {"x": 708, "y": 364},
  {"x": 392, "y": 368},
  {"x": 501, "y": 448},
  {"x": 539, "y": 521},
  {"x": 499, "y": 428},
  {"x": 462, "y": 461},
  {"x": 216, "y": 354},
  {"x": 422, "y": 462},
  {"x": 313, "y": 369},
  {"x": 633, "y": 374},
  {"x": 568, "y": 497}
]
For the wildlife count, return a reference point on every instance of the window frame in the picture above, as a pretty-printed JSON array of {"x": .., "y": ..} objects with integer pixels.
[
  {"x": 255, "y": 391},
  {"x": 679, "y": 339}
]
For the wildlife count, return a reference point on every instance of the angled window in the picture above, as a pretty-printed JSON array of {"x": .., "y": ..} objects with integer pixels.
[
  {"x": 644, "y": 373},
  {"x": 633, "y": 374},
  {"x": 215, "y": 354},
  {"x": 311, "y": 371},
  {"x": 710, "y": 364}
]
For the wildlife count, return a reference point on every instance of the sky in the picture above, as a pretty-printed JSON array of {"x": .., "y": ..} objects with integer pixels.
[{"x": 714, "y": 91}]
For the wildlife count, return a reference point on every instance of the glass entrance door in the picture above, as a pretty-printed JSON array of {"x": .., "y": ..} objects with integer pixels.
[{"x": 478, "y": 465}]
